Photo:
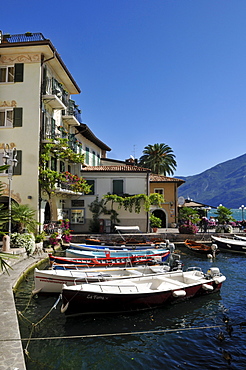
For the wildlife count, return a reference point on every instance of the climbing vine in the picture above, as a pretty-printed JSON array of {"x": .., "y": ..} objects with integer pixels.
[
  {"x": 48, "y": 178},
  {"x": 135, "y": 202}
]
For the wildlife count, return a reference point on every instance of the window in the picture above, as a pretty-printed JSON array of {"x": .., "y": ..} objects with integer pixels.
[
  {"x": 17, "y": 169},
  {"x": 11, "y": 117},
  {"x": 93, "y": 158},
  {"x": 13, "y": 73},
  {"x": 77, "y": 216},
  {"x": 159, "y": 191},
  {"x": 118, "y": 187},
  {"x": 7, "y": 74},
  {"x": 62, "y": 166},
  {"x": 92, "y": 183}
]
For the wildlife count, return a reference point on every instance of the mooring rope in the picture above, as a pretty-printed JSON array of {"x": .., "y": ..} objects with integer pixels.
[
  {"x": 37, "y": 323},
  {"x": 118, "y": 334}
]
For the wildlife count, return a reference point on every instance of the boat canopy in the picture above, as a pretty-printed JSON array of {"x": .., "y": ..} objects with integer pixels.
[{"x": 127, "y": 228}]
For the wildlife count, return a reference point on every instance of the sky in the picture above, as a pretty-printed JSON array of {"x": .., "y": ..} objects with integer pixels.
[{"x": 152, "y": 71}]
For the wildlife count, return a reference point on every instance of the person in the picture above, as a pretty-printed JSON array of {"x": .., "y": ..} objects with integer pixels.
[{"x": 204, "y": 224}]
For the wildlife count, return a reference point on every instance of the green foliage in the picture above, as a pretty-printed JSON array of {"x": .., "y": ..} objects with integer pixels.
[
  {"x": 97, "y": 208},
  {"x": 134, "y": 202},
  {"x": 155, "y": 221},
  {"x": 159, "y": 158},
  {"x": 48, "y": 178},
  {"x": 23, "y": 217},
  {"x": 40, "y": 237},
  {"x": 224, "y": 215},
  {"x": 188, "y": 214},
  {"x": 26, "y": 241}
]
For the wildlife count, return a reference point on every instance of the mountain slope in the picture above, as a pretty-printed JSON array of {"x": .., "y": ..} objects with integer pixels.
[{"x": 224, "y": 184}]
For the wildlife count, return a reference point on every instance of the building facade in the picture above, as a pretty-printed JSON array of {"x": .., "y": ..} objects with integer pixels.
[{"x": 36, "y": 109}]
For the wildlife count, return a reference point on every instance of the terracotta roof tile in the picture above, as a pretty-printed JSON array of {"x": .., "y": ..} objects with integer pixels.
[
  {"x": 125, "y": 168},
  {"x": 160, "y": 178}
]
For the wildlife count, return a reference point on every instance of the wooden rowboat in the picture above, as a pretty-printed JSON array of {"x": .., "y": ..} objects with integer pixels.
[{"x": 200, "y": 247}]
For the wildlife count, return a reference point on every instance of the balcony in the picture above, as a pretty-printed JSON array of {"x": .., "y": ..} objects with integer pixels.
[
  {"x": 65, "y": 188},
  {"x": 72, "y": 115},
  {"x": 54, "y": 94}
]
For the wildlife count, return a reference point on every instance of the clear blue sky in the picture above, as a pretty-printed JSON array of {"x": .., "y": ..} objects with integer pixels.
[{"x": 152, "y": 71}]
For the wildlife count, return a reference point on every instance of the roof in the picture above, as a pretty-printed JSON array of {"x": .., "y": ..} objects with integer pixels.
[
  {"x": 191, "y": 203},
  {"x": 39, "y": 44},
  {"x": 126, "y": 168},
  {"x": 164, "y": 179},
  {"x": 86, "y": 132}
]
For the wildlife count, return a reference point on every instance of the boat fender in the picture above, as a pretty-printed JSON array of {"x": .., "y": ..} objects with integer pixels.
[
  {"x": 179, "y": 293},
  {"x": 64, "y": 308},
  {"x": 207, "y": 287},
  {"x": 36, "y": 291}
]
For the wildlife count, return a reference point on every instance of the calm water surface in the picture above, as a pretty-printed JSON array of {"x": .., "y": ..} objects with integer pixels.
[{"x": 180, "y": 336}]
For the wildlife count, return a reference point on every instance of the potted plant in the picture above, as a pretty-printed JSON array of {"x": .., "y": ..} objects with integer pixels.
[{"x": 155, "y": 223}]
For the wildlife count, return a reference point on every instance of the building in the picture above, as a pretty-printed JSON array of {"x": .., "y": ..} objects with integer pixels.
[
  {"x": 168, "y": 187},
  {"x": 37, "y": 109},
  {"x": 41, "y": 124}
]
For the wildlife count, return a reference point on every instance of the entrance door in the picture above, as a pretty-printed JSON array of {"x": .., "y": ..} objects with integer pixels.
[{"x": 161, "y": 214}]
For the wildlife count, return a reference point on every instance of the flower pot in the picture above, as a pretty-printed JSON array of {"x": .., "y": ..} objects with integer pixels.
[{"x": 154, "y": 229}]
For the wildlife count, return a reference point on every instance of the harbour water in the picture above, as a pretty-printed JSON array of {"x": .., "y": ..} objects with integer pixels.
[
  {"x": 237, "y": 214},
  {"x": 180, "y": 336}
]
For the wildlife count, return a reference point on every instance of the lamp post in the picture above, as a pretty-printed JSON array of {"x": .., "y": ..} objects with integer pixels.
[
  {"x": 242, "y": 208},
  {"x": 10, "y": 159}
]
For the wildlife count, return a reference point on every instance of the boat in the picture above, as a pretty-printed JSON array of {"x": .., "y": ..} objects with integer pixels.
[
  {"x": 239, "y": 237},
  {"x": 78, "y": 253},
  {"x": 230, "y": 245},
  {"x": 110, "y": 261},
  {"x": 51, "y": 281},
  {"x": 200, "y": 247},
  {"x": 140, "y": 293},
  {"x": 123, "y": 247}
]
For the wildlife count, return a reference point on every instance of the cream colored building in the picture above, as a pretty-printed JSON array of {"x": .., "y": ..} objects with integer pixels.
[{"x": 36, "y": 107}]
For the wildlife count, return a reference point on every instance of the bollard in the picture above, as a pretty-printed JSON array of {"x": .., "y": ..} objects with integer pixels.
[{"x": 6, "y": 243}]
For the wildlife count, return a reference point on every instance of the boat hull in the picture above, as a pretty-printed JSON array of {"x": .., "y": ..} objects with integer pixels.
[
  {"x": 230, "y": 245},
  {"x": 125, "y": 298}
]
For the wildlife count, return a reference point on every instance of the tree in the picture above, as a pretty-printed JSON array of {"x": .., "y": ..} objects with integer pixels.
[
  {"x": 24, "y": 217},
  {"x": 159, "y": 158},
  {"x": 224, "y": 215}
]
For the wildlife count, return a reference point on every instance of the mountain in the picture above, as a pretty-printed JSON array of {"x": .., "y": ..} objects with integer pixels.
[{"x": 223, "y": 184}]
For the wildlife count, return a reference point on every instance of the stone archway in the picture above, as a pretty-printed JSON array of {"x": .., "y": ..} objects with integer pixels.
[{"x": 161, "y": 214}]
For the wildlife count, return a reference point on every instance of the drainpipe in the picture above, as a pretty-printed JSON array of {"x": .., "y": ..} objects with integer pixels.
[{"x": 147, "y": 180}]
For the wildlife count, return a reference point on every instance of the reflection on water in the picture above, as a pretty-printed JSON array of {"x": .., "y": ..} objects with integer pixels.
[{"x": 179, "y": 336}]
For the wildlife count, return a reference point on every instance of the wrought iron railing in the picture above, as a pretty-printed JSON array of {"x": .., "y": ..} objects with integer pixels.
[
  {"x": 72, "y": 110},
  {"x": 25, "y": 37},
  {"x": 52, "y": 87}
]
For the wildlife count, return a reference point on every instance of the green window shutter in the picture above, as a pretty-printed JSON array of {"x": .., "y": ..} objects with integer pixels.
[
  {"x": 19, "y": 72},
  {"x": 118, "y": 187},
  {"x": 17, "y": 169},
  {"x": 18, "y": 117},
  {"x": 92, "y": 183},
  {"x": 53, "y": 164},
  {"x": 62, "y": 166}
]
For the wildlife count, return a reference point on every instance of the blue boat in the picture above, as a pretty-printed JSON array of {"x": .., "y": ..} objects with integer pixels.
[
  {"x": 114, "y": 253},
  {"x": 98, "y": 248}
]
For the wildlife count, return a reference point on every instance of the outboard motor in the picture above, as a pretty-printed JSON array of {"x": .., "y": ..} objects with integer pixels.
[{"x": 213, "y": 271}]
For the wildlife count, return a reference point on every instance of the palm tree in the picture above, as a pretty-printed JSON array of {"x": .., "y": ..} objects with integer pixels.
[
  {"x": 24, "y": 217},
  {"x": 159, "y": 158}
]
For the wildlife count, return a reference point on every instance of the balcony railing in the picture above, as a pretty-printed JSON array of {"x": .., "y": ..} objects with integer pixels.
[
  {"x": 25, "y": 37},
  {"x": 72, "y": 112},
  {"x": 52, "y": 87}
]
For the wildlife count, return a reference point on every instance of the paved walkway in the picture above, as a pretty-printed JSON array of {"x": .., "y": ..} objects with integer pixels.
[{"x": 11, "y": 351}]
